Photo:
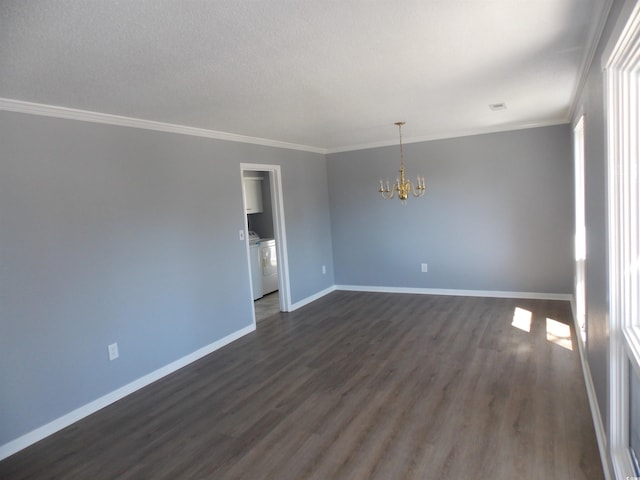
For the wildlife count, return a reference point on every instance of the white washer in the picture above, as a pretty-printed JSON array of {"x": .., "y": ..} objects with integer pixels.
[{"x": 269, "y": 260}]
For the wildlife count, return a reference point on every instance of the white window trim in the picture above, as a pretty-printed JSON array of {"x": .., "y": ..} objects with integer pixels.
[
  {"x": 622, "y": 67},
  {"x": 580, "y": 233}
]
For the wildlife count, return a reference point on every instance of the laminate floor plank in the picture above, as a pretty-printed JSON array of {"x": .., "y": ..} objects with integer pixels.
[{"x": 353, "y": 386}]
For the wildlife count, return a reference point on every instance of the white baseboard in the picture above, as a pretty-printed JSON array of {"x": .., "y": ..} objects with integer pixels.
[
  {"x": 601, "y": 436},
  {"x": 461, "y": 293},
  {"x": 312, "y": 298},
  {"x": 79, "y": 413},
  {"x": 58, "y": 424}
]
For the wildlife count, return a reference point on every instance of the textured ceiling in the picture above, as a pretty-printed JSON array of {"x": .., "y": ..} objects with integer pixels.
[{"x": 327, "y": 74}]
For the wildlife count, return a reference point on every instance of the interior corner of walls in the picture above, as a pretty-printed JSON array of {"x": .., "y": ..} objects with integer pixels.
[
  {"x": 577, "y": 114},
  {"x": 311, "y": 298}
]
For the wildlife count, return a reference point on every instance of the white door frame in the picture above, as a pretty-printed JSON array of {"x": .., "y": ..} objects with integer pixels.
[{"x": 279, "y": 229}]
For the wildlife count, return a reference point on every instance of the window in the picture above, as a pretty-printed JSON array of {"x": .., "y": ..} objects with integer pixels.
[
  {"x": 580, "y": 227},
  {"x": 623, "y": 142},
  {"x": 634, "y": 418}
]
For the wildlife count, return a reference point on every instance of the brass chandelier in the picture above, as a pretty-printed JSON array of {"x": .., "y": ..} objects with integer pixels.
[{"x": 402, "y": 186}]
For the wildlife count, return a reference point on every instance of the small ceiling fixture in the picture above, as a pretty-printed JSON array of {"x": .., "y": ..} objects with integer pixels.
[
  {"x": 497, "y": 106},
  {"x": 402, "y": 186}
]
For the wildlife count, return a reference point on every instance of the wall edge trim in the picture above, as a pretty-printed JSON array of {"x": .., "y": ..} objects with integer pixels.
[
  {"x": 31, "y": 108},
  {"x": 79, "y": 413},
  {"x": 312, "y": 298},
  {"x": 593, "y": 40},
  {"x": 450, "y": 134},
  {"x": 456, "y": 292},
  {"x": 598, "y": 426}
]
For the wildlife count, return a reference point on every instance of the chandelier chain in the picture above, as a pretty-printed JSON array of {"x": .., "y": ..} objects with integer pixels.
[{"x": 400, "y": 135}]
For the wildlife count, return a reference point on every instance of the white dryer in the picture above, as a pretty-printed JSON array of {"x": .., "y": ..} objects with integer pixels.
[{"x": 256, "y": 265}]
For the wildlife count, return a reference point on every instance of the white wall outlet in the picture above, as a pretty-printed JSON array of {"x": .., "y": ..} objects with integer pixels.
[
  {"x": 241, "y": 234},
  {"x": 423, "y": 268},
  {"x": 324, "y": 269},
  {"x": 113, "y": 351}
]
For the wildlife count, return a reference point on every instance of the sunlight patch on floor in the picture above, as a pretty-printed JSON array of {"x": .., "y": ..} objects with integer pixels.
[
  {"x": 522, "y": 319},
  {"x": 559, "y": 334}
]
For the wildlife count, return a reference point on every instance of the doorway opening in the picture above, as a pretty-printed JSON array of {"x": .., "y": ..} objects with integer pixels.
[{"x": 266, "y": 238}]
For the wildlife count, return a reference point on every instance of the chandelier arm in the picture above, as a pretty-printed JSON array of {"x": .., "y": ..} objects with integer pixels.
[
  {"x": 416, "y": 190},
  {"x": 387, "y": 195},
  {"x": 386, "y": 192}
]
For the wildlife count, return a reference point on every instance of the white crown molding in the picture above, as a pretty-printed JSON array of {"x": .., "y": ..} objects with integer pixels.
[
  {"x": 593, "y": 39},
  {"x": 445, "y": 135},
  {"x": 31, "y": 108},
  {"x": 20, "y": 106}
]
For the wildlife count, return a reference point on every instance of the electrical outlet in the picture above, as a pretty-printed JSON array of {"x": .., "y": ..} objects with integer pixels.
[
  {"x": 241, "y": 234},
  {"x": 113, "y": 351},
  {"x": 423, "y": 268},
  {"x": 324, "y": 269}
]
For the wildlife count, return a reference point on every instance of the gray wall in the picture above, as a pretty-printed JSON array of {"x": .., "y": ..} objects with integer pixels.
[
  {"x": 497, "y": 215},
  {"x": 111, "y": 234},
  {"x": 591, "y": 103}
]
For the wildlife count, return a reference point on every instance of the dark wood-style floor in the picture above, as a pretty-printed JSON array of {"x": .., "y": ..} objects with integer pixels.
[{"x": 352, "y": 386}]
